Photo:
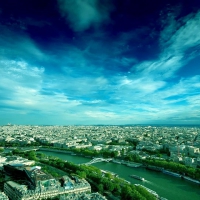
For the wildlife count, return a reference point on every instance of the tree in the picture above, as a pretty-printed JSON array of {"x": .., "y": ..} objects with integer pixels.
[
  {"x": 117, "y": 189},
  {"x": 126, "y": 192},
  {"x": 31, "y": 155},
  {"x": 109, "y": 186},
  {"x": 82, "y": 174},
  {"x": 100, "y": 188},
  {"x": 109, "y": 175},
  {"x": 145, "y": 193}
]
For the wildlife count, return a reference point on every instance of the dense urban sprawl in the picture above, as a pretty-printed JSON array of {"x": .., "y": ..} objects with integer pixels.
[
  {"x": 157, "y": 148},
  {"x": 181, "y": 143}
]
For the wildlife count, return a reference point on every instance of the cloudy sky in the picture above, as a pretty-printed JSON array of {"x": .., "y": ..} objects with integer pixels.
[{"x": 99, "y": 62}]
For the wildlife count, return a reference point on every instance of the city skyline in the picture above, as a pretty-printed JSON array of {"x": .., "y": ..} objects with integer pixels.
[{"x": 93, "y": 62}]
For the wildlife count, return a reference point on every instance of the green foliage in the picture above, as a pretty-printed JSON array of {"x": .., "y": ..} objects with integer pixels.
[
  {"x": 9, "y": 154},
  {"x": 175, "y": 167},
  {"x": 114, "y": 143},
  {"x": 144, "y": 193},
  {"x": 133, "y": 142},
  {"x": 100, "y": 188},
  {"x": 132, "y": 157},
  {"x": 2, "y": 144},
  {"x": 94, "y": 153},
  {"x": 108, "y": 185},
  {"x": 31, "y": 155},
  {"x": 53, "y": 198},
  {"x": 40, "y": 155},
  {"x": 130, "y": 193},
  {"x": 81, "y": 174}
]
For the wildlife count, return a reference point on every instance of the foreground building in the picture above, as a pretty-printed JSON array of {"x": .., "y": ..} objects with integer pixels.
[
  {"x": 38, "y": 185},
  {"x": 83, "y": 196},
  {"x": 3, "y": 196}
]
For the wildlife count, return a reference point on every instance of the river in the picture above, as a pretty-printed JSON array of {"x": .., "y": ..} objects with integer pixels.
[{"x": 166, "y": 186}]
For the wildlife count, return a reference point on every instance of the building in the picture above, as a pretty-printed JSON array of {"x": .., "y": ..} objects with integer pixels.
[
  {"x": 83, "y": 196},
  {"x": 38, "y": 185},
  {"x": 190, "y": 161},
  {"x": 192, "y": 151},
  {"x": 3, "y": 196}
]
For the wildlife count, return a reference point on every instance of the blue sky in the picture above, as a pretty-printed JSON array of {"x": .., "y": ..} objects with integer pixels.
[{"x": 99, "y": 62}]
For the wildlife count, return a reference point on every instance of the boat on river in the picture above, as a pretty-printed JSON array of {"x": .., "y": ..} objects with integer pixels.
[
  {"x": 116, "y": 161},
  {"x": 137, "y": 177},
  {"x": 172, "y": 173},
  {"x": 191, "y": 179},
  {"x": 133, "y": 164},
  {"x": 154, "y": 168}
]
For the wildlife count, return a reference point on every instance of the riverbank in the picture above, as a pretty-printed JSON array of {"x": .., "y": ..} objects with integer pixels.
[
  {"x": 127, "y": 163},
  {"x": 158, "y": 182},
  {"x": 54, "y": 150}
]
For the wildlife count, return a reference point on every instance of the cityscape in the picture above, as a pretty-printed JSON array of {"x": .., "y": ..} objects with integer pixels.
[
  {"x": 174, "y": 151},
  {"x": 180, "y": 141}
]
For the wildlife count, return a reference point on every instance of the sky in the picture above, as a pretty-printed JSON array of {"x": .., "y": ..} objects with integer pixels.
[{"x": 88, "y": 62}]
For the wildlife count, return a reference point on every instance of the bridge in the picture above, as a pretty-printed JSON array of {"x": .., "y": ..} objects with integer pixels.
[{"x": 96, "y": 160}]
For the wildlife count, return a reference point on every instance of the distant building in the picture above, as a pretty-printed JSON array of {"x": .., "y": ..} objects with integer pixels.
[
  {"x": 192, "y": 151},
  {"x": 175, "y": 157},
  {"x": 96, "y": 147},
  {"x": 190, "y": 161},
  {"x": 198, "y": 161}
]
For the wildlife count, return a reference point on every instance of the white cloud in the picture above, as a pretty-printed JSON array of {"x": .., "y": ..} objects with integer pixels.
[
  {"x": 143, "y": 85},
  {"x": 101, "y": 115},
  {"x": 186, "y": 35},
  {"x": 20, "y": 73},
  {"x": 185, "y": 87},
  {"x": 18, "y": 46},
  {"x": 20, "y": 68},
  {"x": 83, "y": 14},
  {"x": 175, "y": 39}
]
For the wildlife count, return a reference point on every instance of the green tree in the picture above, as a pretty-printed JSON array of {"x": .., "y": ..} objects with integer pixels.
[
  {"x": 144, "y": 193},
  {"x": 82, "y": 174},
  {"x": 117, "y": 189},
  {"x": 31, "y": 155},
  {"x": 100, "y": 188},
  {"x": 108, "y": 185}
]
